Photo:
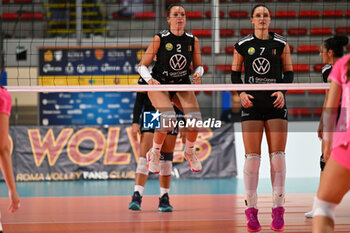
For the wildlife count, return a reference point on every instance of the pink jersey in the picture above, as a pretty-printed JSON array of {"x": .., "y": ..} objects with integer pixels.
[
  {"x": 339, "y": 75},
  {"x": 5, "y": 101}
]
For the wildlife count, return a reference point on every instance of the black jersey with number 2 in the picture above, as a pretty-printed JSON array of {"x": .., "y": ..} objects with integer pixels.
[
  {"x": 174, "y": 57},
  {"x": 262, "y": 58}
]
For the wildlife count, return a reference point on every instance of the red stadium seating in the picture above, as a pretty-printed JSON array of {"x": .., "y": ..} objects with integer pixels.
[
  {"x": 172, "y": 1},
  {"x": 308, "y": 49},
  {"x": 332, "y": 13},
  {"x": 297, "y": 31},
  {"x": 32, "y": 15},
  {"x": 194, "y": 1},
  {"x": 240, "y": 0},
  {"x": 348, "y": 48},
  {"x": 318, "y": 67},
  {"x": 227, "y": 32},
  {"x": 321, "y": 31},
  {"x": 229, "y": 49},
  {"x": 291, "y": 48},
  {"x": 299, "y": 112},
  {"x": 285, "y": 14},
  {"x": 342, "y": 30},
  {"x": 224, "y": 68},
  {"x": 201, "y": 32},
  {"x": 347, "y": 13},
  {"x": 145, "y": 15},
  {"x": 196, "y": 92},
  {"x": 206, "y": 68},
  {"x": 206, "y": 50},
  {"x": 276, "y": 30},
  {"x": 9, "y": 16},
  {"x": 246, "y": 31},
  {"x": 194, "y": 14},
  {"x": 301, "y": 68},
  {"x": 238, "y": 14},
  {"x": 309, "y": 14},
  {"x": 221, "y": 14},
  {"x": 318, "y": 111},
  {"x": 208, "y": 92},
  {"x": 5, "y": 1},
  {"x": 296, "y": 92},
  {"x": 286, "y": 0},
  {"x": 317, "y": 91}
]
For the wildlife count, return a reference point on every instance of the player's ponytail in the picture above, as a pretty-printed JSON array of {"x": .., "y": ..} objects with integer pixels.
[{"x": 336, "y": 44}]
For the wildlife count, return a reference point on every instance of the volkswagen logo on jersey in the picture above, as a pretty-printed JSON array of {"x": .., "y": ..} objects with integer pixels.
[
  {"x": 261, "y": 65},
  {"x": 178, "y": 62}
]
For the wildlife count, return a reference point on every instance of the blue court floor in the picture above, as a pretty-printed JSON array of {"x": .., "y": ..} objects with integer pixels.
[{"x": 178, "y": 187}]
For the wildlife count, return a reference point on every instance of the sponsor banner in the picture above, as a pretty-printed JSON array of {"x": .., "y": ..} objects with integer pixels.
[
  {"x": 99, "y": 153},
  {"x": 86, "y": 108},
  {"x": 87, "y": 66}
]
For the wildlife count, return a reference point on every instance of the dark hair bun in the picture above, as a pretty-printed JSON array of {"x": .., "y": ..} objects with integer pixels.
[{"x": 341, "y": 39}]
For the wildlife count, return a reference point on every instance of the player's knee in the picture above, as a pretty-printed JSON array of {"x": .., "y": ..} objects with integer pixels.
[
  {"x": 166, "y": 167},
  {"x": 324, "y": 208},
  {"x": 166, "y": 156},
  {"x": 168, "y": 121},
  {"x": 142, "y": 166},
  {"x": 278, "y": 161},
  {"x": 252, "y": 164},
  {"x": 191, "y": 120}
]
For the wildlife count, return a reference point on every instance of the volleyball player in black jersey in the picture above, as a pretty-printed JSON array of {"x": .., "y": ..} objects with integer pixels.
[
  {"x": 267, "y": 60},
  {"x": 143, "y": 104},
  {"x": 174, "y": 50},
  {"x": 331, "y": 50}
]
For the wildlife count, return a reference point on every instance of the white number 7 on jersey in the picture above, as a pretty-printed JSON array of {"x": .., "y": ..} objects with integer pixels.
[{"x": 262, "y": 50}]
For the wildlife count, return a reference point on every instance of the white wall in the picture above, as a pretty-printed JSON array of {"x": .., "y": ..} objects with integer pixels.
[{"x": 303, "y": 151}]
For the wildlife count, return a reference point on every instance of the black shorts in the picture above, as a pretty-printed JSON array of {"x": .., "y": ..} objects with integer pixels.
[
  {"x": 185, "y": 80},
  {"x": 263, "y": 109}
]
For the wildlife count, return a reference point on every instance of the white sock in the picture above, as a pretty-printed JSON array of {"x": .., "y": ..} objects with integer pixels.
[
  {"x": 163, "y": 191},
  {"x": 278, "y": 177},
  {"x": 189, "y": 146},
  {"x": 139, "y": 188}
]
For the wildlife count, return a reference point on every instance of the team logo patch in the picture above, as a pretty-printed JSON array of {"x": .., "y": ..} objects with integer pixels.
[
  {"x": 274, "y": 51},
  {"x": 251, "y": 51},
  {"x": 169, "y": 46},
  {"x": 48, "y": 56},
  {"x": 178, "y": 62},
  {"x": 261, "y": 65}
]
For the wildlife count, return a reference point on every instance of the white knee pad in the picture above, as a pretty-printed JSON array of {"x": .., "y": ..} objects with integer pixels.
[
  {"x": 168, "y": 121},
  {"x": 251, "y": 178},
  {"x": 142, "y": 166},
  {"x": 324, "y": 208},
  {"x": 166, "y": 167},
  {"x": 191, "y": 120},
  {"x": 278, "y": 177}
]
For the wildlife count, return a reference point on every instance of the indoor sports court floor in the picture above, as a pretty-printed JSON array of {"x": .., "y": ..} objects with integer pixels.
[{"x": 200, "y": 205}]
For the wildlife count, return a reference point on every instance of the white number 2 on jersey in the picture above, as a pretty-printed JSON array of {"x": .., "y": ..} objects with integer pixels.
[{"x": 178, "y": 48}]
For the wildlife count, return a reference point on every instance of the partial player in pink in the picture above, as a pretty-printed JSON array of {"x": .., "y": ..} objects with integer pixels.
[
  {"x": 335, "y": 181},
  {"x": 5, "y": 155},
  {"x": 5, "y": 101}
]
